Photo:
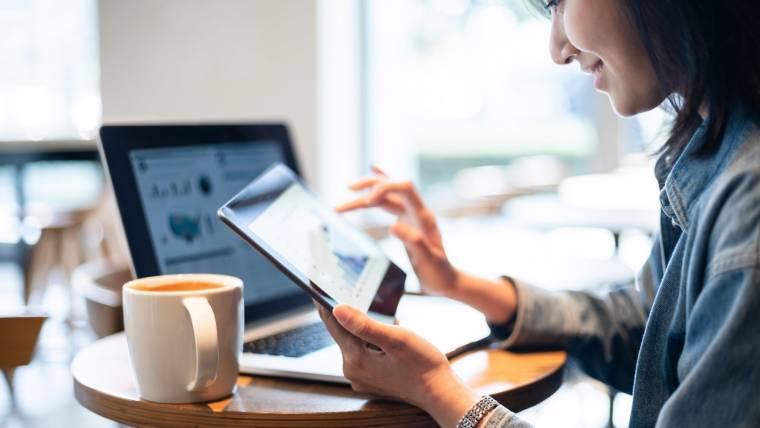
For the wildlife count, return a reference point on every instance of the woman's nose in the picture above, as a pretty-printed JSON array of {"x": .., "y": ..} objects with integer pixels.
[{"x": 561, "y": 50}]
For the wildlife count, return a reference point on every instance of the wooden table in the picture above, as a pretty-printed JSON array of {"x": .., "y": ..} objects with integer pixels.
[{"x": 103, "y": 384}]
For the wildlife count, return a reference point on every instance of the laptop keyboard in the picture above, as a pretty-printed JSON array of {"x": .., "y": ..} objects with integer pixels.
[{"x": 292, "y": 343}]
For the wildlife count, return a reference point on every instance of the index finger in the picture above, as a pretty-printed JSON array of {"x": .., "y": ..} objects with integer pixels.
[
  {"x": 353, "y": 205},
  {"x": 365, "y": 183},
  {"x": 403, "y": 188}
]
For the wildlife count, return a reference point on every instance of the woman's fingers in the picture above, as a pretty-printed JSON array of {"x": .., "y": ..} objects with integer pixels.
[
  {"x": 405, "y": 189},
  {"x": 393, "y": 197},
  {"x": 364, "y": 183},
  {"x": 370, "y": 181},
  {"x": 356, "y": 204},
  {"x": 394, "y": 204},
  {"x": 360, "y": 325}
]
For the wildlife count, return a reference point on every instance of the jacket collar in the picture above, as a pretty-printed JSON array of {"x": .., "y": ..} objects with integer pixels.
[{"x": 682, "y": 184}]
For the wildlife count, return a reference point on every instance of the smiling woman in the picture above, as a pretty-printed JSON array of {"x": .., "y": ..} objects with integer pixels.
[{"x": 683, "y": 339}]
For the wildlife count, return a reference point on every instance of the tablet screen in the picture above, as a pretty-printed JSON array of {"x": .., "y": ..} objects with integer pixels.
[
  {"x": 343, "y": 262},
  {"x": 315, "y": 243}
]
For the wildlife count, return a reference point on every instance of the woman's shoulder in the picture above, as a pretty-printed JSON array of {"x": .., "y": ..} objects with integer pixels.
[
  {"x": 746, "y": 132},
  {"x": 739, "y": 160},
  {"x": 731, "y": 206}
]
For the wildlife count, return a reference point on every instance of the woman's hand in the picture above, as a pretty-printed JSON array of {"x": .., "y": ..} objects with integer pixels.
[
  {"x": 416, "y": 227},
  {"x": 398, "y": 365}
]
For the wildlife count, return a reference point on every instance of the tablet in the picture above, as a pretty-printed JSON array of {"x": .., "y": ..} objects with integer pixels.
[{"x": 316, "y": 248}]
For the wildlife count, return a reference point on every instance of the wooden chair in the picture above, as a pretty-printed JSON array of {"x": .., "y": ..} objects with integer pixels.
[
  {"x": 42, "y": 257},
  {"x": 18, "y": 338}
]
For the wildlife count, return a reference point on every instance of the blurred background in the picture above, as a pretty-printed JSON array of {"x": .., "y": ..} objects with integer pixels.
[{"x": 529, "y": 170}]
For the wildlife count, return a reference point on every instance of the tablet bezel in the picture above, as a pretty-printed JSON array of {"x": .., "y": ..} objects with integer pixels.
[
  {"x": 117, "y": 141},
  {"x": 279, "y": 177}
]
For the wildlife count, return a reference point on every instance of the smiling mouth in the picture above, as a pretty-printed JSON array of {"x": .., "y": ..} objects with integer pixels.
[{"x": 596, "y": 68}]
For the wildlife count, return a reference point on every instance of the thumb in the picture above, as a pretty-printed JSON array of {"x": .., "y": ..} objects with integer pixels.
[{"x": 364, "y": 327}]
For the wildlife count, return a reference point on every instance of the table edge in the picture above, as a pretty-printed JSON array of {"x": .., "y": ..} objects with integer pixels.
[{"x": 117, "y": 408}]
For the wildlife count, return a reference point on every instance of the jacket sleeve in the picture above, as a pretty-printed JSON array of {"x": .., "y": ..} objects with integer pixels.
[
  {"x": 501, "y": 417},
  {"x": 602, "y": 331}
]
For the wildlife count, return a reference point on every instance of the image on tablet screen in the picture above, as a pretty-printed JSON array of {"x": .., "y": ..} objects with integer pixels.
[{"x": 343, "y": 262}]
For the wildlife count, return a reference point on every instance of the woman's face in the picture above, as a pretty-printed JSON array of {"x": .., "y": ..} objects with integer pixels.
[{"x": 598, "y": 35}]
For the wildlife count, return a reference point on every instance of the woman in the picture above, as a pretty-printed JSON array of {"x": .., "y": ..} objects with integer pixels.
[{"x": 686, "y": 340}]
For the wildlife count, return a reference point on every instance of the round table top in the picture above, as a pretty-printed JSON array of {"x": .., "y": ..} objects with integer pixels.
[{"x": 103, "y": 383}]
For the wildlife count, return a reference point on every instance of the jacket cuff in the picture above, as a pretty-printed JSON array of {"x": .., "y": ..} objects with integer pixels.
[
  {"x": 530, "y": 326},
  {"x": 501, "y": 417}
]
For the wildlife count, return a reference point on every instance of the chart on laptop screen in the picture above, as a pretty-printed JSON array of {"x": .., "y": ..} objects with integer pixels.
[{"x": 181, "y": 188}]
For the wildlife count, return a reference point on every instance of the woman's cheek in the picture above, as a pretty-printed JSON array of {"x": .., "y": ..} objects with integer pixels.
[{"x": 579, "y": 27}]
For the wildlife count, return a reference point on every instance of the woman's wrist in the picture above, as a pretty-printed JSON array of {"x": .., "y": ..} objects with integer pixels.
[
  {"x": 447, "y": 401},
  {"x": 496, "y": 299}
]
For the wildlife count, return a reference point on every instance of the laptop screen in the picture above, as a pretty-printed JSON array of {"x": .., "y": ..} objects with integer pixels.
[{"x": 181, "y": 188}]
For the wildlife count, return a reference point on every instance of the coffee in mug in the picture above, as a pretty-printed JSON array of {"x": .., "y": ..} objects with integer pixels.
[
  {"x": 185, "y": 335},
  {"x": 178, "y": 286}
]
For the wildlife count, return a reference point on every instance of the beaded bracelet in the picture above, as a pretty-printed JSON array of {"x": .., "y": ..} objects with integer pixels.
[{"x": 477, "y": 411}]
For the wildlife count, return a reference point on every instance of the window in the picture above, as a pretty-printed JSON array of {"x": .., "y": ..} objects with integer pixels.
[
  {"x": 454, "y": 84},
  {"x": 49, "y": 84},
  {"x": 49, "y": 92}
]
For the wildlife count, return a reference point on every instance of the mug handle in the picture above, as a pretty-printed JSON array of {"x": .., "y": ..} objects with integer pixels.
[{"x": 206, "y": 342}]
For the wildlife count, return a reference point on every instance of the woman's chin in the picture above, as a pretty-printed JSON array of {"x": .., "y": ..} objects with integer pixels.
[
  {"x": 622, "y": 106},
  {"x": 629, "y": 106}
]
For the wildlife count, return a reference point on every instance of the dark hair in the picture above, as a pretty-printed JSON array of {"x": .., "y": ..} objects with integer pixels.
[{"x": 705, "y": 53}]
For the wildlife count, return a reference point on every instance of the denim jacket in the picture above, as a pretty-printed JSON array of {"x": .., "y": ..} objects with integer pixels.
[{"x": 685, "y": 339}]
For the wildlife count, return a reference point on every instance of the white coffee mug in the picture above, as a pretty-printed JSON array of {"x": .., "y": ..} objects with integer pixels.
[{"x": 185, "y": 335}]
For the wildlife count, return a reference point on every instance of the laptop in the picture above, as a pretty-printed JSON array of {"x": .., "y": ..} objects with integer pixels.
[{"x": 169, "y": 181}]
